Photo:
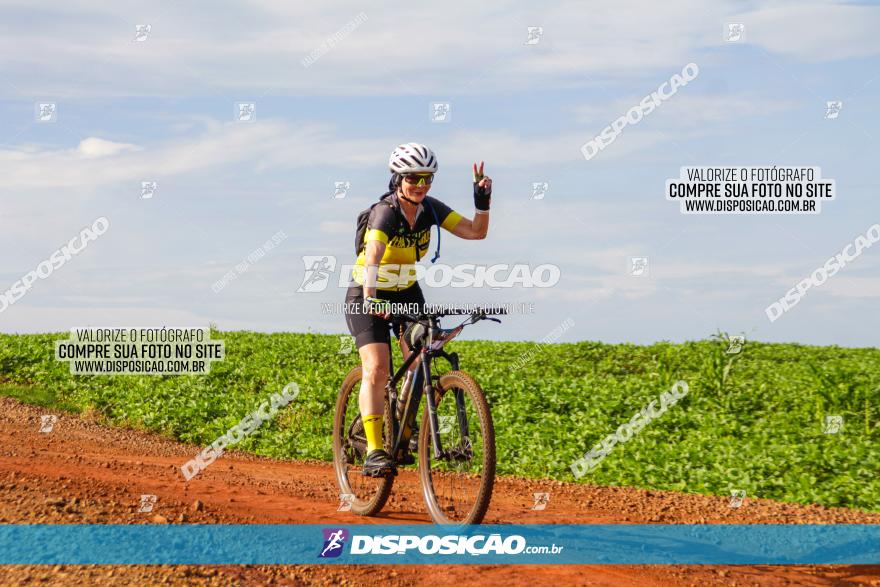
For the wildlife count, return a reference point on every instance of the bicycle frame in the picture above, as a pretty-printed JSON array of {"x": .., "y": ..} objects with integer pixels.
[{"x": 422, "y": 385}]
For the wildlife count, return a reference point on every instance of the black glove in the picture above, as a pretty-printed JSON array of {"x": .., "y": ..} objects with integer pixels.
[
  {"x": 482, "y": 195},
  {"x": 375, "y": 306}
]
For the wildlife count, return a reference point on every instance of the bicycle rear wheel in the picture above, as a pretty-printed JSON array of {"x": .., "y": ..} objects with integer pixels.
[
  {"x": 458, "y": 485},
  {"x": 369, "y": 494}
]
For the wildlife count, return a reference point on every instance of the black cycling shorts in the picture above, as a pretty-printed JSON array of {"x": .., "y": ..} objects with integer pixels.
[{"x": 367, "y": 328}]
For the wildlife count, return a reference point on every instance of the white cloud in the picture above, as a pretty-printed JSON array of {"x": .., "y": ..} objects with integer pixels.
[
  {"x": 94, "y": 147},
  {"x": 96, "y": 162}
]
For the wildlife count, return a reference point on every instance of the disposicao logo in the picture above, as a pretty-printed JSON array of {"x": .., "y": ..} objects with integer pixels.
[{"x": 334, "y": 540}]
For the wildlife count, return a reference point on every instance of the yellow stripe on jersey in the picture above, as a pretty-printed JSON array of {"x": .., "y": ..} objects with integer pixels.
[
  {"x": 375, "y": 234},
  {"x": 451, "y": 220}
]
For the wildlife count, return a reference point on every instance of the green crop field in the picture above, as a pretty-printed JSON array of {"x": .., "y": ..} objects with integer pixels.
[{"x": 751, "y": 421}]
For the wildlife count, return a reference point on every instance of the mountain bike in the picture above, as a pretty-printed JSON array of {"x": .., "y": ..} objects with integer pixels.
[{"x": 456, "y": 442}]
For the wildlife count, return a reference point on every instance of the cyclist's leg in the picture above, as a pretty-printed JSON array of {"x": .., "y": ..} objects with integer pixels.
[
  {"x": 413, "y": 296},
  {"x": 404, "y": 348},
  {"x": 372, "y": 340},
  {"x": 374, "y": 360}
]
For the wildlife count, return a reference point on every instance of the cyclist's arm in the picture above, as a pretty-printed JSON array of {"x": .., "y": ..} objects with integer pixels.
[
  {"x": 381, "y": 223},
  {"x": 372, "y": 255},
  {"x": 467, "y": 228},
  {"x": 472, "y": 229}
]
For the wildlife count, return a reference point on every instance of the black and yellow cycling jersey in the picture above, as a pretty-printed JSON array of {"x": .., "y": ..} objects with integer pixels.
[{"x": 404, "y": 245}]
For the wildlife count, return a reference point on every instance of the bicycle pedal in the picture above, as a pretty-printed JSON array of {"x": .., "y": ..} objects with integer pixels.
[{"x": 388, "y": 472}]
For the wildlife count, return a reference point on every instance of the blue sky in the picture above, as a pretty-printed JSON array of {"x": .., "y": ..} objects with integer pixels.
[{"x": 162, "y": 110}]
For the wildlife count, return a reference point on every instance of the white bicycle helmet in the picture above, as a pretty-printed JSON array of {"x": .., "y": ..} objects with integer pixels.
[{"x": 413, "y": 158}]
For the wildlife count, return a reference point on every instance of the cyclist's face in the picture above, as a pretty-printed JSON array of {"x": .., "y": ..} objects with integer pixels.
[{"x": 415, "y": 191}]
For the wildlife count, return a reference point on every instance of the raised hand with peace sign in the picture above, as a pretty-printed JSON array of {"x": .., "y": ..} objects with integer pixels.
[{"x": 482, "y": 189}]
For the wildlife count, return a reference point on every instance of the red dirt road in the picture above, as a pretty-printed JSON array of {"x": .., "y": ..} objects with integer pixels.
[{"x": 83, "y": 472}]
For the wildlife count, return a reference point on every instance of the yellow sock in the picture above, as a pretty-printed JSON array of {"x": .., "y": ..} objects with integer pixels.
[{"x": 373, "y": 430}]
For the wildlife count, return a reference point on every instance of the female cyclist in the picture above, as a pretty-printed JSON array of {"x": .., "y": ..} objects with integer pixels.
[{"x": 397, "y": 236}]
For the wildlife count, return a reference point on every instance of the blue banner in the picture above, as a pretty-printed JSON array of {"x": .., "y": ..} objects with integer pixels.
[{"x": 716, "y": 544}]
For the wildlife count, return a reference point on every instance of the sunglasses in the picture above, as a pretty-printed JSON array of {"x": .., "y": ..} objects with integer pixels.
[{"x": 418, "y": 178}]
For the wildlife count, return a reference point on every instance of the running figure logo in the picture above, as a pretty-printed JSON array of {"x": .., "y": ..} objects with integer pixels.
[
  {"x": 832, "y": 109},
  {"x": 147, "y": 503},
  {"x": 346, "y": 344},
  {"x": 833, "y": 424},
  {"x": 535, "y": 33},
  {"x": 141, "y": 32},
  {"x": 47, "y": 112},
  {"x": 440, "y": 112},
  {"x": 148, "y": 189},
  {"x": 539, "y": 189},
  {"x": 342, "y": 188},
  {"x": 638, "y": 266},
  {"x": 345, "y": 501},
  {"x": 245, "y": 111},
  {"x": 735, "y": 32},
  {"x": 736, "y": 497},
  {"x": 541, "y": 501},
  {"x": 47, "y": 422},
  {"x": 444, "y": 424},
  {"x": 318, "y": 270},
  {"x": 334, "y": 539},
  {"x": 735, "y": 344}
]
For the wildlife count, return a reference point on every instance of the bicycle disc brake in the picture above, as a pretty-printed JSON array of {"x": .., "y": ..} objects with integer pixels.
[{"x": 463, "y": 452}]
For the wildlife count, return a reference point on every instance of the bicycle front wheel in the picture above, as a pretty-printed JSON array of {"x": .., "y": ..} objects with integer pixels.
[{"x": 457, "y": 485}]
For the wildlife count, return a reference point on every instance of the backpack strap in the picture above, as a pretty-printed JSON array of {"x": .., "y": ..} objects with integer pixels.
[{"x": 437, "y": 222}]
